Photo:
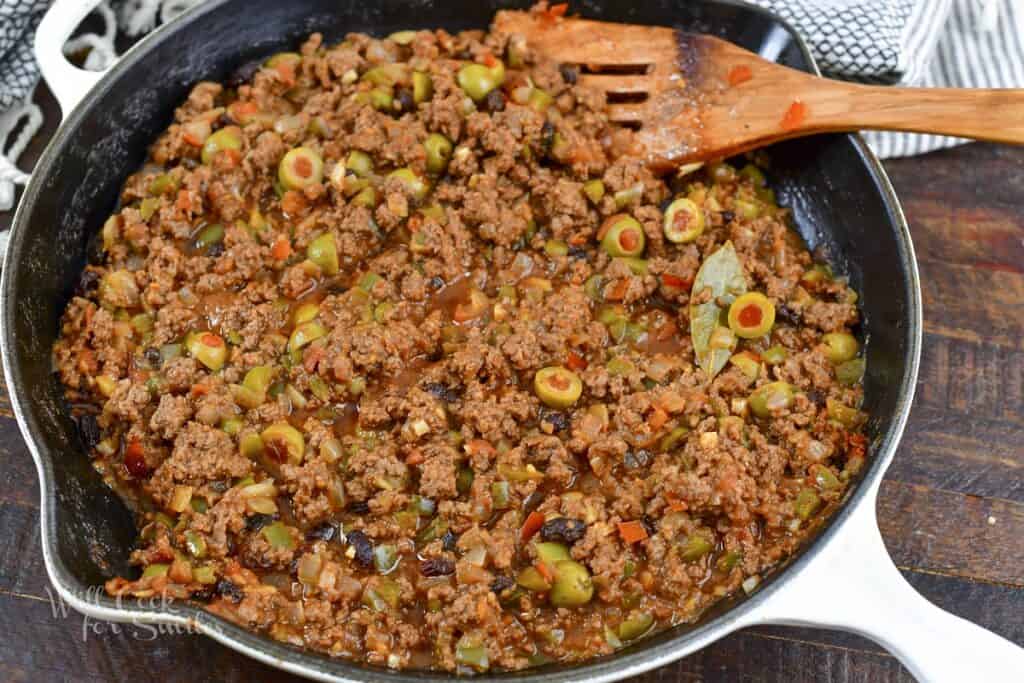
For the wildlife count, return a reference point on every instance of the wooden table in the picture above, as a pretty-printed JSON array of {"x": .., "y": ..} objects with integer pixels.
[{"x": 951, "y": 508}]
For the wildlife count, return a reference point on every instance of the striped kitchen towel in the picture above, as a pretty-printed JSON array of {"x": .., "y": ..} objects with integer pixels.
[{"x": 927, "y": 43}]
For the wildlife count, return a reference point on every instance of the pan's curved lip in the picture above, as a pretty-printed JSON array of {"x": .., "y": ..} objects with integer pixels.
[{"x": 316, "y": 666}]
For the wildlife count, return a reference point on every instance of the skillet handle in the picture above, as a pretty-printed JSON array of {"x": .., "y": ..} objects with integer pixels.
[
  {"x": 68, "y": 83},
  {"x": 853, "y": 585}
]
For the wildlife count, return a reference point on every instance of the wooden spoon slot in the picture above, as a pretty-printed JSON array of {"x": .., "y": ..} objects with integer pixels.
[{"x": 616, "y": 69}]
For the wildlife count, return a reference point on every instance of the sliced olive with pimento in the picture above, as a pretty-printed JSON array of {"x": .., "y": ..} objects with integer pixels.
[
  {"x": 557, "y": 387},
  {"x": 207, "y": 348},
  {"x": 300, "y": 168},
  {"x": 227, "y": 138},
  {"x": 283, "y": 443},
  {"x": 684, "y": 221},
  {"x": 622, "y": 235},
  {"x": 769, "y": 398},
  {"x": 751, "y": 315}
]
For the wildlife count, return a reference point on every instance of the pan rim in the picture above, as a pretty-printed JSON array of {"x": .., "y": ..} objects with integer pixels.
[{"x": 311, "y": 664}]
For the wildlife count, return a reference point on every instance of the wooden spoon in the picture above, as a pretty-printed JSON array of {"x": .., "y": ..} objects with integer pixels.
[{"x": 694, "y": 97}]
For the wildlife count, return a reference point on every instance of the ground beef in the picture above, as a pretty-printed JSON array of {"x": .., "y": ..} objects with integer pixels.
[{"x": 319, "y": 361}]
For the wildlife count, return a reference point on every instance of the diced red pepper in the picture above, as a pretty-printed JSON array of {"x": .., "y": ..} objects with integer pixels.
[
  {"x": 675, "y": 282},
  {"x": 281, "y": 250},
  {"x": 576, "y": 361},
  {"x": 531, "y": 526},
  {"x": 135, "y": 459},
  {"x": 632, "y": 532}
]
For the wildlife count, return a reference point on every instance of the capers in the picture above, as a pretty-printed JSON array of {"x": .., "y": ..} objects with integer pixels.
[
  {"x": 226, "y": 138},
  {"x": 283, "y": 442},
  {"x": 416, "y": 186},
  {"x": 624, "y": 236},
  {"x": 572, "y": 586},
  {"x": 477, "y": 80},
  {"x": 841, "y": 346},
  {"x": 323, "y": 252},
  {"x": 684, "y": 221},
  {"x": 771, "y": 397},
  {"x": 557, "y": 387},
  {"x": 751, "y": 315},
  {"x": 439, "y": 152},
  {"x": 300, "y": 168}
]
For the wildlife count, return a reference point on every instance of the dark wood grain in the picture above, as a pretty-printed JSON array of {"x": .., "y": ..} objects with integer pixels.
[{"x": 951, "y": 509}]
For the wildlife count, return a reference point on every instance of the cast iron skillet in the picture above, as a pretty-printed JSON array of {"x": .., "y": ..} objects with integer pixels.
[{"x": 841, "y": 200}]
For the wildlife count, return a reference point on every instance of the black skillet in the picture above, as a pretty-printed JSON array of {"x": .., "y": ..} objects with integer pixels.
[{"x": 842, "y": 203}]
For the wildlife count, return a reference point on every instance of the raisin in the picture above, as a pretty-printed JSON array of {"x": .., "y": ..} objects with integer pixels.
[
  {"x": 547, "y": 136},
  {"x": 495, "y": 101},
  {"x": 438, "y": 390},
  {"x": 229, "y": 591},
  {"x": 815, "y": 396},
  {"x": 89, "y": 430},
  {"x": 437, "y": 566},
  {"x": 449, "y": 540},
  {"x": 650, "y": 524},
  {"x": 638, "y": 459},
  {"x": 569, "y": 73},
  {"x": 153, "y": 357},
  {"x": 784, "y": 313},
  {"x": 502, "y": 583},
  {"x": 258, "y": 521},
  {"x": 203, "y": 595},
  {"x": 558, "y": 420},
  {"x": 88, "y": 282},
  {"x": 563, "y": 529},
  {"x": 362, "y": 546},
  {"x": 359, "y": 507},
  {"x": 437, "y": 282},
  {"x": 577, "y": 252},
  {"x": 322, "y": 532},
  {"x": 214, "y": 250},
  {"x": 728, "y": 216},
  {"x": 243, "y": 74},
  {"x": 404, "y": 100}
]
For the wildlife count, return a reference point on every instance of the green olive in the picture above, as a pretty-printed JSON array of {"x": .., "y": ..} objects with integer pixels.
[
  {"x": 635, "y": 626},
  {"x": 305, "y": 312},
  {"x": 208, "y": 236},
  {"x": 532, "y": 580},
  {"x": 807, "y": 503},
  {"x": 278, "y": 536},
  {"x": 284, "y": 443},
  {"x": 323, "y": 252},
  {"x": 305, "y": 334},
  {"x": 208, "y": 348},
  {"x": 292, "y": 58},
  {"x": 684, "y": 221},
  {"x": 387, "y": 75},
  {"x": 416, "y": 186},
  {"x": 550, "y": 553},
  {"x": 624, "y": 236},
  {"x": 300, "y": 168},
  {"x": 842, "y": 346},
  {"x": 439, "y": 152},
  {"x": 477, "y": 80},
  {"x": 843, "y": 414},
  {"x": 747, "y": 363},
  {"x": 540, "y": 100},
  {"x": 381, "y": 99},
  {"x": 751, "y": 315},
  {"x": 163, "y": 184},
  {"x": 771, "y": 397},
  {"x": 422, "y": 87},
  {"x": 594, "y": 189},
  {"x": 573, "y": 586},
  {"x": 824, "y": 478},
  {"x": 359, "y": 163},
  {"x": 695, "y": 547},
  {"x": 850, "y": 372},
  {"x": 557, "y": 387},
  {"x": 229, "y": 137},
  {"x": 774, "y": 355},
  {"x": 366, "y": 198}
]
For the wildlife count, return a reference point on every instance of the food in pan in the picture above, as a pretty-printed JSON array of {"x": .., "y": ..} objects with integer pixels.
[{"x": 400, "y": 353}]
